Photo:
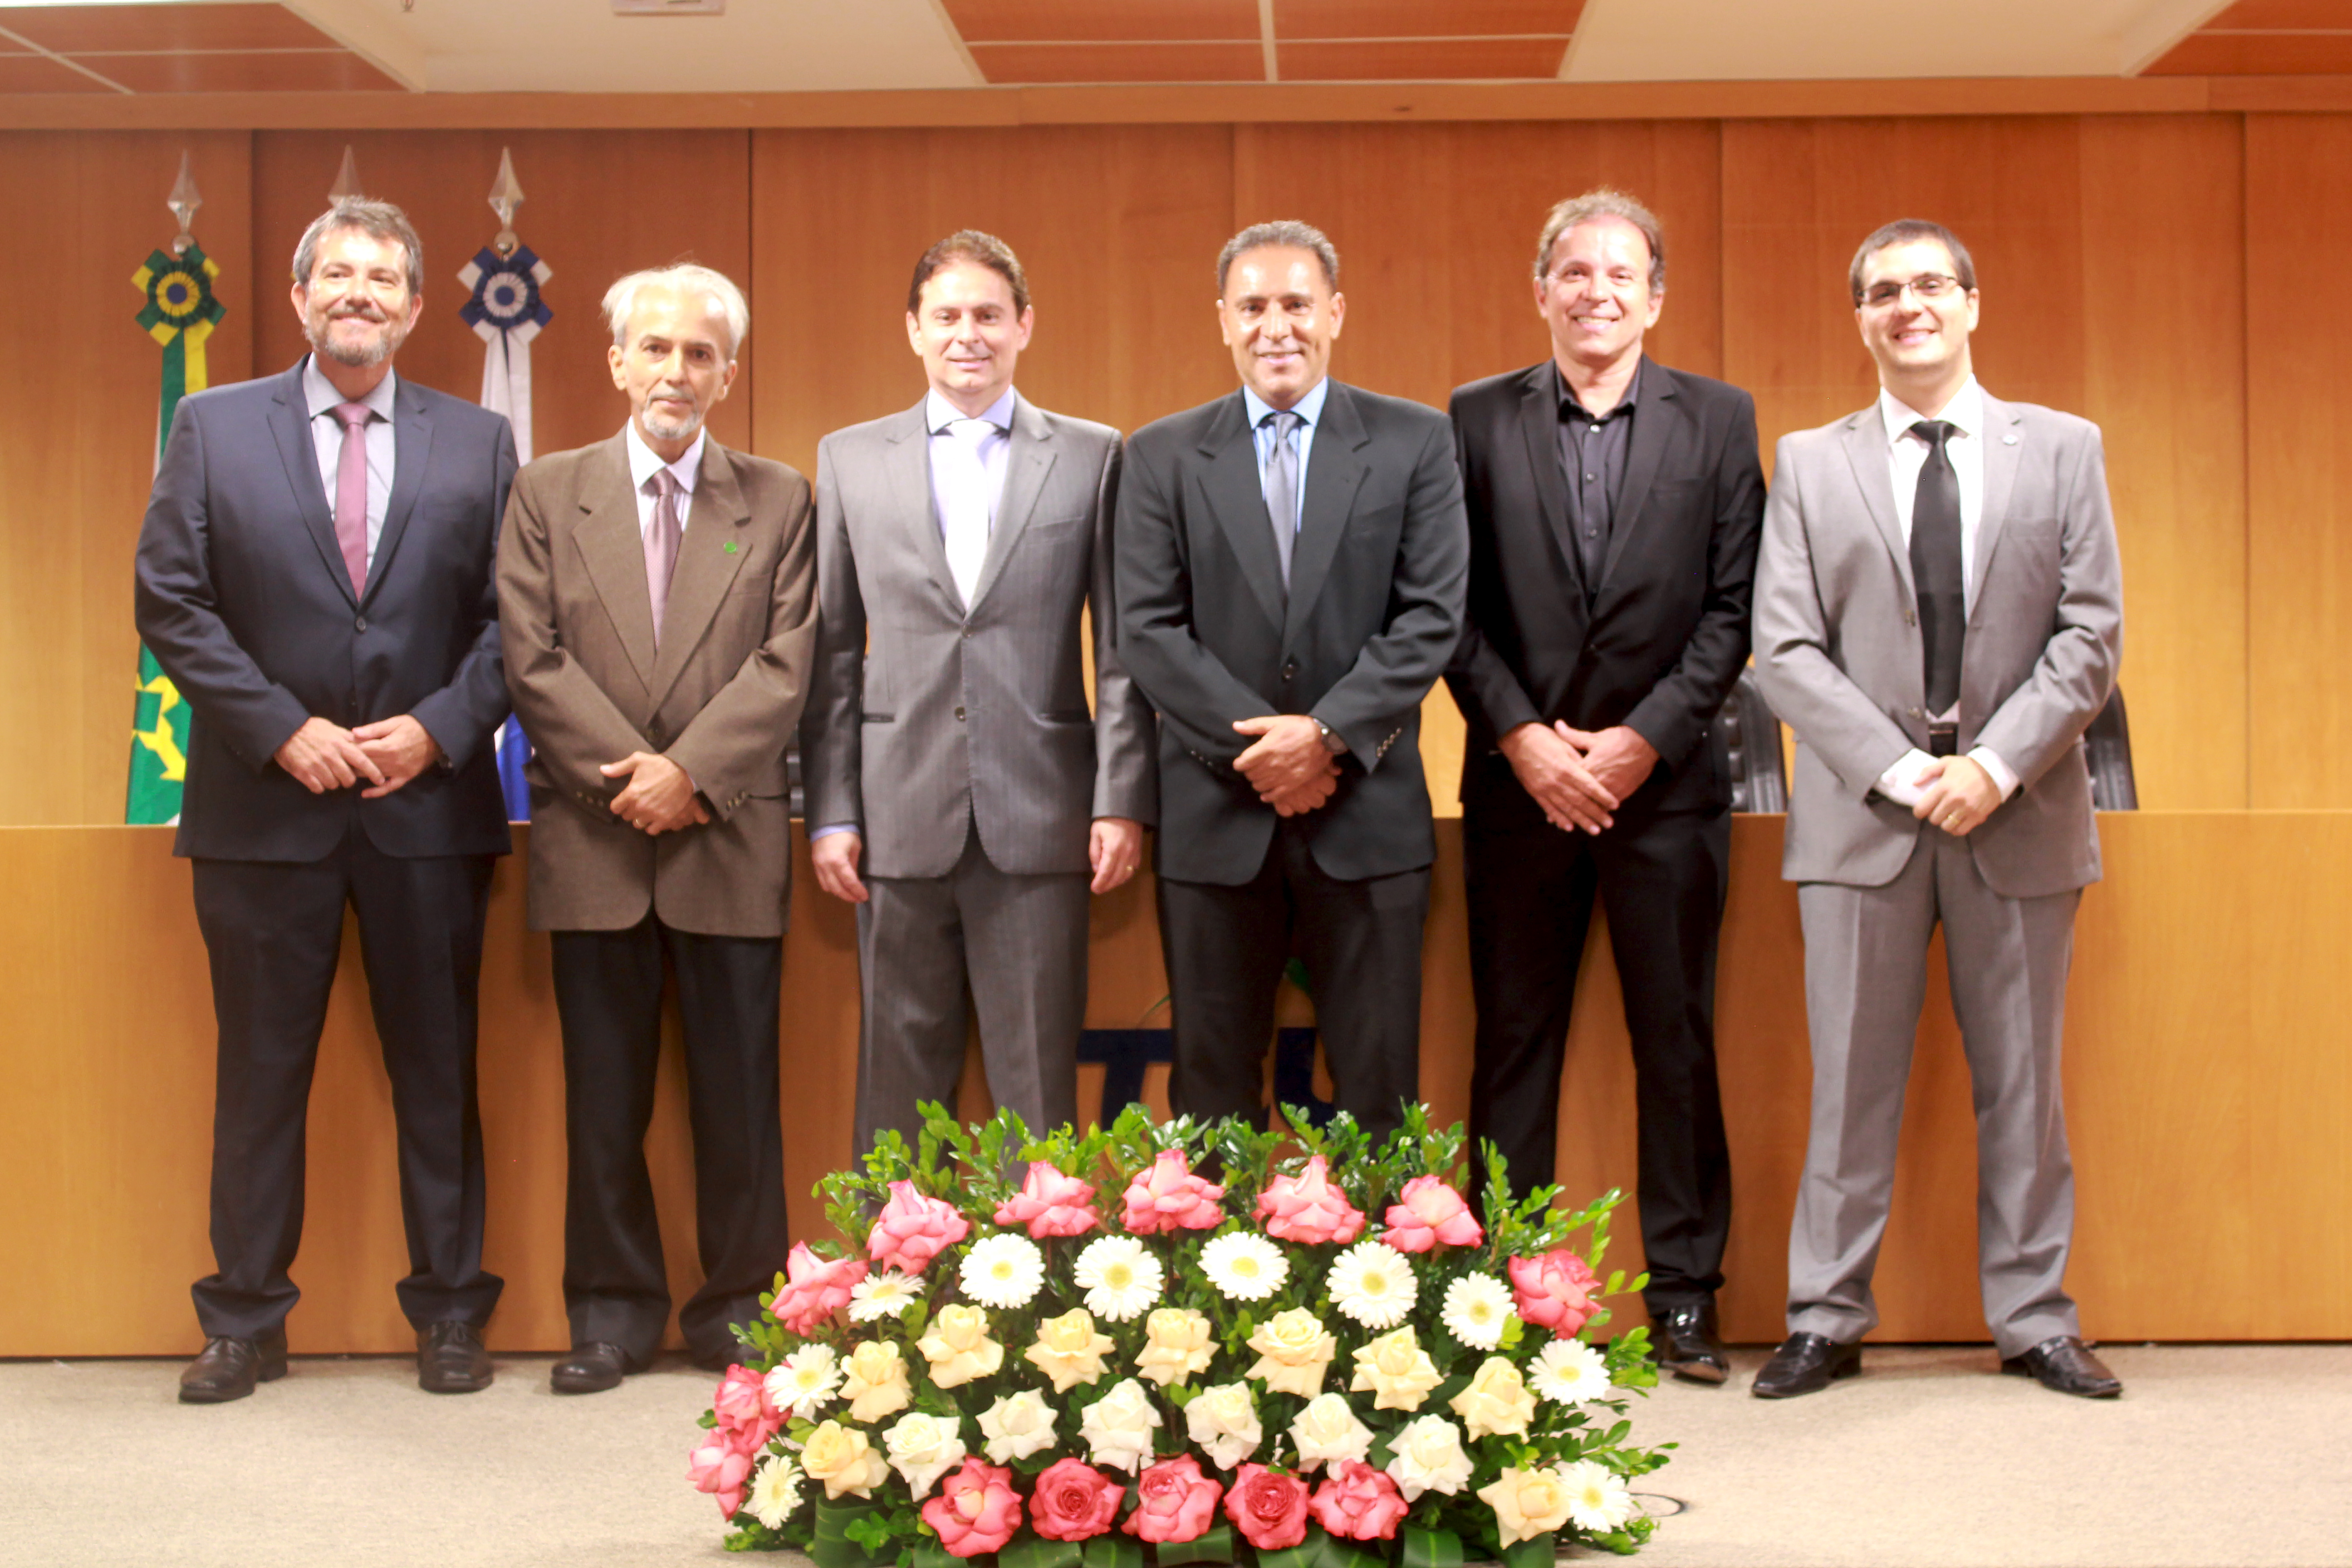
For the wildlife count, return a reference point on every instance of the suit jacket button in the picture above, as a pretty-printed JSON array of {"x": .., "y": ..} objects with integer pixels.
[
  {"x": 360, "y": 625},
  {"x": 1289, "y": 668},
  {"x": 959, "y": 715},
  {"x": 1915, "y": 712}
]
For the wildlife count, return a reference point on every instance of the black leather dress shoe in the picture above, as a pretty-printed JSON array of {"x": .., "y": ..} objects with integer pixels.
[
  {"x": 590, "y": 1369},
  {"x": 228, "y": 1368},
  {"x": 718, "y": 1361},
  {"x": 451, "y": 1359},
  {"x": 1805, "y": 1363},
  {"x": 2065, "y": 1365},
  {"x": 1688, "y": 1345}
]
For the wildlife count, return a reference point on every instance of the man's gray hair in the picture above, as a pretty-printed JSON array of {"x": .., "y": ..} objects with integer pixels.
[
  {"x": 380, "y": 221},
  {"x": 1905, "y": 231},
  {"x": 1604, "y": 202},
  {"x": 688, "y": 278},
  {"x": 1286, "y": 231}
]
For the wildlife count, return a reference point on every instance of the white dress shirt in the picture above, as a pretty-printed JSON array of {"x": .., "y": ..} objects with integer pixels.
[
  {"x": 969, "y": 456},
  {"x": 1309, "y": 410},
  {"x": 645, "y": 462},
  {"x": 321, "y": 398},
  {"x": 1907, "y": 454}
]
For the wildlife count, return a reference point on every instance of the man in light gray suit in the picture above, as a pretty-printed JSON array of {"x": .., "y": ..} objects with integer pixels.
[
  {"x": 1938, "y": 615},
  {"x": 960, "y": 792}
]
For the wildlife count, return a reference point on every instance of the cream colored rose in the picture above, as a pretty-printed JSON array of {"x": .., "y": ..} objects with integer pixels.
[
  {"x": 1497, "y": 1402},
  {"x": 1175, "y": 1345},
  {"x": 844, "y": 1460},
  {"x": 1068, "y": 1350},
  {"x": 923, "y": 1448},
  {"x": 1527, "y": 1503},
  {"x": 1397, "y": 1370},
  {"x": 1293, "y": 1348},
  {"x": 1327, "y": 1430},
  {"x": 1016, "y": 1426},
  {"x": 1117, "y": 1427},
  {"x": 1427, "y": 1456},
  {"x": 959, "y": 1347},
  {"x": 877, "y": 1383},
  {"x": 1223, "y": 1421}
]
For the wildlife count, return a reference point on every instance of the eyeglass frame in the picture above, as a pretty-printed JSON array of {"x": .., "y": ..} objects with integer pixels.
[{"x": 1874, "y": 299}]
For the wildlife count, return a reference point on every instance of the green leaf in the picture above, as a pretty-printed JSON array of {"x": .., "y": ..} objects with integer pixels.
[{"x": 1210, "y": 1546}]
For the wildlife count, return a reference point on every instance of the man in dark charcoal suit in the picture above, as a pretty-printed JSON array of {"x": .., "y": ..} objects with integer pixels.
[
  {"x": 1291, "y": 560},
  {"x": 1614, "y": 506},
  {"x": 315, "y": 576}
]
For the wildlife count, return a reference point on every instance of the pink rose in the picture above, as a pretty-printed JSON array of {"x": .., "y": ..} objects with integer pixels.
[
  {"x": 976, "y": 1511},
  {"x": 1169, "y": 1196},
  {"x": 1430, "y": 1213},
  {"x": 1268, "y": 1508},
  {"x": 1074, "y": 1501},
  {"x": 914, "y": 1229},
  {"x": 1050, "y": 1203},
  {"x": 1554, "y": 1291},
  {"x": 1359, "y": 1503},
  {"x": 718, "y": 1467},
  {"x": 815, "y": 1288},
  {"x": 1176, "y": 1501},
  {"x": 1308, "y": 1208},
  {"x": 744, "y": 1409}
]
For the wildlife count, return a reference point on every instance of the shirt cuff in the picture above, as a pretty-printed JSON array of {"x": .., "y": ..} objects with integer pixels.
[
  {"x": 830, "y": 828},
  {"x": 2004, "y": 778},
  {"x": 1902, "y": 784}
]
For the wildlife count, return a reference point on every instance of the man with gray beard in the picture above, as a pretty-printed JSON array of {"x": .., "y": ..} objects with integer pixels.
[{"x": 315, "y": 576}]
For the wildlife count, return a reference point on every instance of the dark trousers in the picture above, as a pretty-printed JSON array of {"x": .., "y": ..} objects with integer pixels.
[
  {"x": 273, "y": 932},
  {"x": 1662, "y": 880},
  {"x": 608, "y": 989},
  {"x": 1227, "y": 948}
]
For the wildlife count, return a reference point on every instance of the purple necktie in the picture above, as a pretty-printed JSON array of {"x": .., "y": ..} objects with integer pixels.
[
  {"x": 350, "y": 493},
  {"x": 661, "y": 544}
]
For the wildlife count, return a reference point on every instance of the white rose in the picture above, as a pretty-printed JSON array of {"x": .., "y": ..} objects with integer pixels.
[
  {"x": 1117, "y": 1427},
  {"x": 1225, "y": 1423},
  {"x": 1328, "y": 1429},
  {"x": 1429, "y": 1459},
  {"x": 923, "y": 1448},
  {"x": 1016, "y": 1426}
]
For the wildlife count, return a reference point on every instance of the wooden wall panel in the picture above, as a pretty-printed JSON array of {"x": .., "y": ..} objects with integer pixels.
[
  {"x": 598, "y": 204},
  {"x": 79, "y": 414},
  {"x": 2298, "y": 465}
]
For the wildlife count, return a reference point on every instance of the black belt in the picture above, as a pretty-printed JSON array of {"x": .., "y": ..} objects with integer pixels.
[{"x": 1943, "y": 739}]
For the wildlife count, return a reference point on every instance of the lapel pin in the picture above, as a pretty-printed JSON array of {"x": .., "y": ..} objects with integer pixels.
[
  {"x": 731, "y": 546},
  {"x": 2009, "y": 440}
]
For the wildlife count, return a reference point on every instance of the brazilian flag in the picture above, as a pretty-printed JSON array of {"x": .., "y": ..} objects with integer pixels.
[{"x": 180, "y": 313}]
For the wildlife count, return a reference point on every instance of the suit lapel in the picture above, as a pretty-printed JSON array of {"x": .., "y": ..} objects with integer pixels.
[
  {"x": 1333, "y": 472},
  {"x": 289, "y": 425},
  {"x": 1540, "y": 423},
  {"x": 1028, "y": 461},
  {"x": 1655, "y": 414},
  {"x": 412, "y": 449},
  {"x": 1999, "y": 441},
  {"x": 908, "y": 476},
  {"x": 1237, "y": 501},
  {"x": 613, "y": 546},
  {"x": 710, "y": 553},
  {"x": 1866, "y": 450}
]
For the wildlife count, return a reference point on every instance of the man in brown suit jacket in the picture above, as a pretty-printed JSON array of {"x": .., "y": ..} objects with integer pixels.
[{"x": 656, "y": 592}]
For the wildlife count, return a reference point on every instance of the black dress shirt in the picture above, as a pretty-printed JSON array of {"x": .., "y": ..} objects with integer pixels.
[{"x": 1592, "y": 457}]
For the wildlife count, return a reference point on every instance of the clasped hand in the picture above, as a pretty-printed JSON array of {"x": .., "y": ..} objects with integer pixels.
[
  {"x": 322, "y": 755},
  {"x": 1958, "y": 795},
  {"x": 1579, "y": 777},
  {"x": 1287, "y": 765},
  {"x": 660, "y": 797}
]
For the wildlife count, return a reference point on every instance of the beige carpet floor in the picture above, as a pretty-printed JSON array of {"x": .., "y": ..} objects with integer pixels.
[{"x": 2216, "y": 1456}]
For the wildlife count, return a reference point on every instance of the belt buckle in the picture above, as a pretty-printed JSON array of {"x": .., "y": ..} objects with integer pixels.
[{"x": 1943, "y": 739}]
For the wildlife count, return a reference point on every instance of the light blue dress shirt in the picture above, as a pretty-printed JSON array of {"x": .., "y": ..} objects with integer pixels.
[{"x": 1309, "y": 410}]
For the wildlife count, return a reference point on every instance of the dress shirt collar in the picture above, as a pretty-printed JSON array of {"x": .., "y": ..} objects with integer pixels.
[
  {"x": 644, "y": 461},
  {"x": 1308, "y": 408},
  {"x": 1965, "y": 412},
  {"x": 1566, "y": 396},
  {"x": 319, "y": 393},
  {"x": 938, "y": 413}
]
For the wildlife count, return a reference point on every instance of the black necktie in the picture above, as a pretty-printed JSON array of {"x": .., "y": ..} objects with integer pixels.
[{"x": 1935, "y": 568}]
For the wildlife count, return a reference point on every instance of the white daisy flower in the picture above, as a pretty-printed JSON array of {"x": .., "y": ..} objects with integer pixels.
[
  {"x": 1597, "y": 1498},
  {"x": 775, "y": 1491},
  {"x": 1122, "y": 1280},
  {"x": 1478, "y": 1306},
  {"x": 1569, "y": 1372},
  {"x": 1004, "y": 1271},
  {"x": 804, "y": 1382},
  {"x": 1372, "y": 1283},
  {"x": 1244, "y": 1266},
  {"x": 884, "y": 1295}
]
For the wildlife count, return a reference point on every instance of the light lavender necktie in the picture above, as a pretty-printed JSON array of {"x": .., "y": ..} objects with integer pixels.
[
  {"x": 661, "y": 544},
  {"x": 350, "y": 493},
  {"x": 1282, "y": 484}
]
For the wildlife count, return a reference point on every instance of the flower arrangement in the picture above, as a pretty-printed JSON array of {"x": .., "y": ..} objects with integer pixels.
[{"x": 1115, "y": 1355}]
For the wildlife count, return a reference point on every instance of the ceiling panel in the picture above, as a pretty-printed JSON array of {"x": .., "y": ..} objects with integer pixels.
[
  {"x": 1422, "y": 18},
  {"x": 308, "y": 72},
  {"x": 1423, "y": 60},
  {"x": 1119, "y": 62},
  {"x": 2257, "y": 53},
  {"x": 38, "y": 73},
  {"x": 1102, "y": 21},
  {"x": 78, "y": 29}
]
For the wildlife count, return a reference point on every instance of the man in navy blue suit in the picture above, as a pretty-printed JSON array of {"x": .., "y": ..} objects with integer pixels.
[{"x": 315, "y": 575}]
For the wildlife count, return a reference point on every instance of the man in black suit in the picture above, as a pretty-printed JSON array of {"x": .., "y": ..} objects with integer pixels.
[
  {"x": 315, "y": 576},
  {"x": 1615, "y": 506},
  {"x": 1290, "y": 568}
]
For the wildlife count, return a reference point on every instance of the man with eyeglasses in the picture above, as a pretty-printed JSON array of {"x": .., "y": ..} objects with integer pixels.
[{"x": 1939, "y": 617}]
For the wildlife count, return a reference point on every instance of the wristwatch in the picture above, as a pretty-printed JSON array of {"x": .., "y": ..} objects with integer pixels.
[{"x": 1331, "y": 740}]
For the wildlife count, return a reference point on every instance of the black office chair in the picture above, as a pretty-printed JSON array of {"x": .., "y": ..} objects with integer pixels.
[
  {"x": 1746, "y": 740},
  {"x": 2108, "y": 742}
]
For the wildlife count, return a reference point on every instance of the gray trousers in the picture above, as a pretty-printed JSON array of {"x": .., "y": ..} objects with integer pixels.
[
  {"x": 1865, "y": 981},
  {"x": 1021, "y": 944}
]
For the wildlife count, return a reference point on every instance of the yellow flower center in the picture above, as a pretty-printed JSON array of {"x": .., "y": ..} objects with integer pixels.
[
  {"x": 1375, "y": 1283},
  {"x": 1118, "y": 1276},
  {"x": 1000, "y": 1269},
  {"x": 1246, "y": 1267}
]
